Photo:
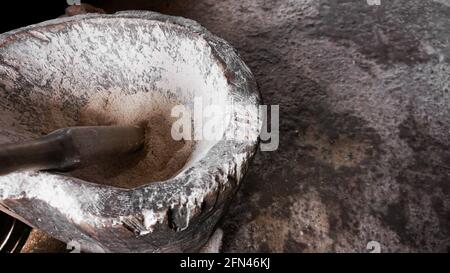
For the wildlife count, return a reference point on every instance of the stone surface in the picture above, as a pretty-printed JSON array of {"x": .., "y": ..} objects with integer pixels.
[
  {"x": 365, "y": 116},
  {"x": 39, "y": 242},
  {"x": 49, "y": 71}
]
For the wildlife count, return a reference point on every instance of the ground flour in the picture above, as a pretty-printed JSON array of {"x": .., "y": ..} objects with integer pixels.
[{"x": 162, "y": 156}]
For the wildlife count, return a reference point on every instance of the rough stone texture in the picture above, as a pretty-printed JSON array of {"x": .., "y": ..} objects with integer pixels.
[
  {"x": 39, "y": 242},
  {"x": 64, "y": 62},
  {"x": 365, "y": 116}
]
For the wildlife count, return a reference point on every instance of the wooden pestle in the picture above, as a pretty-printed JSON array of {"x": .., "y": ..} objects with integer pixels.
[{"x": 70, "y": 148}]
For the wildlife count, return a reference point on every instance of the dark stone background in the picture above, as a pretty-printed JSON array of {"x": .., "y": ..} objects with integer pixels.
[{"x": 365, "y": 121}]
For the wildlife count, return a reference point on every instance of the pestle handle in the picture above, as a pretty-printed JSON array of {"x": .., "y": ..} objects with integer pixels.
[{"x": 71, "y": 147}]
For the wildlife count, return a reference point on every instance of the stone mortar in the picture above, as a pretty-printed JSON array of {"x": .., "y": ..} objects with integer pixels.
[{"x": 66, "y": 61}]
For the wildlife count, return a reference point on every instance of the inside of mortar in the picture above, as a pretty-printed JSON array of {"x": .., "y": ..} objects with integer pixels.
[
  {"x": 161, "y": 157},
  {"x": 93, "y": 72}
]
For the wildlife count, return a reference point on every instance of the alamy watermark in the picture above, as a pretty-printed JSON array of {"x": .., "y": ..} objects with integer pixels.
[
  {"x": 73, "y": 247},
  {"x": 73, "y": 2},
  {"x": 373, "y": 247},
  {"x": 373, "y": 2},
  {"x": 229, "y": 122}
]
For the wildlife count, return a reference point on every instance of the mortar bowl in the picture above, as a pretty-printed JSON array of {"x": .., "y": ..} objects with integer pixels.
[{"x": 50, "y": 73}]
